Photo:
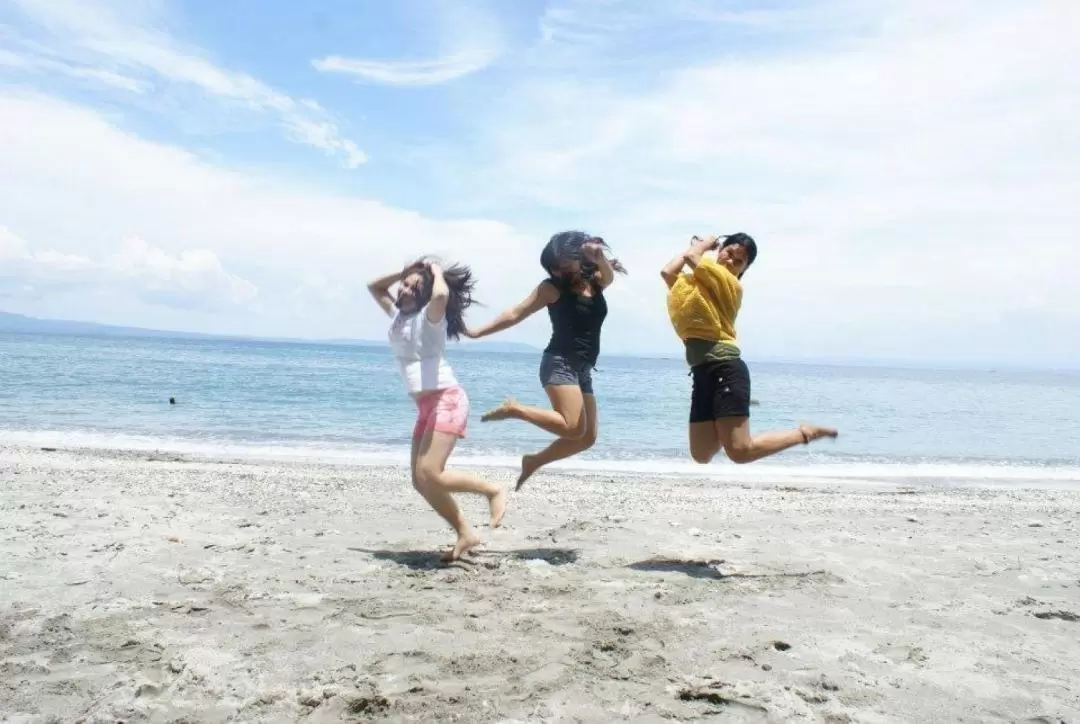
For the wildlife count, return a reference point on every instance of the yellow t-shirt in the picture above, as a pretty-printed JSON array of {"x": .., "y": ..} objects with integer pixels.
[{"x": 703, "y": 304}]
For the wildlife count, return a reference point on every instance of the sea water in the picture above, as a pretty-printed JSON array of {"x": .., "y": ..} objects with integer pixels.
[{"x": 347, "y": 403}]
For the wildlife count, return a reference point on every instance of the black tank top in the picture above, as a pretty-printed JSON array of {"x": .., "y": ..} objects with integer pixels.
[{"x": 576, "y": 322}]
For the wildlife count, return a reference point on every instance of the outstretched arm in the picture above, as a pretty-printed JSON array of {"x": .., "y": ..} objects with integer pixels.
[
  {"x": 440, "y": 295},
  {"x": 543, "y": 295},
  {"x": 380, "y": 290}
]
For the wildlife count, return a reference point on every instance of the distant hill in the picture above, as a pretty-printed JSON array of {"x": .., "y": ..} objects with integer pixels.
[
  {"x": 32, "y": 325},
  {"x": 18, "y": 323}
]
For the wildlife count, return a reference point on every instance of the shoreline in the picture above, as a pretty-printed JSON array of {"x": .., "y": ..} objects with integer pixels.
[
  {"x": 144, "y": 587},
  {"x": 820, "y": 474}
]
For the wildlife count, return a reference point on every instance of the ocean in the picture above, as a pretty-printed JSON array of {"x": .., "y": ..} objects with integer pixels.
[{"x": 346, "y": 403}]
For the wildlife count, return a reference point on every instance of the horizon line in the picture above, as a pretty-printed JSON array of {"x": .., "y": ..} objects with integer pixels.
[{"x": 871, "y": 362}]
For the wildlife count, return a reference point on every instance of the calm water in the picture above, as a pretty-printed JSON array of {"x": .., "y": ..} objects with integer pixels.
[{"x": 272, "y": 399}]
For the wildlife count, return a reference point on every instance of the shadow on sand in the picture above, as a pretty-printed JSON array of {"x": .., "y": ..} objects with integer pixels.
[
  {"x": 431, "y": 560},
  {"x": 709, "y": 569}
]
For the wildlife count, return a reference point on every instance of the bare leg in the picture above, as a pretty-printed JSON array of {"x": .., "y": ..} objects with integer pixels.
[
  {"x": 733, "y": 435},
  {"x": 704, "y": 441},
  {"x": 456, "y": 482},
  {"x": 564, "y": 447},
  {"x": 564, "y": 419},
  {"x": 431, "y": 480}
]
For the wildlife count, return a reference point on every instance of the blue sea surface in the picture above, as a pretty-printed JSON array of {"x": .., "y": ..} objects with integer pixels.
[{"x": 342, "y": 402}]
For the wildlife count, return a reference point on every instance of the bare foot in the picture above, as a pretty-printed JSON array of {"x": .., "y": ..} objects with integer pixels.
[
  {"x": 498, "y": 507},
  {"x": 464, "y": 544},
  {"x": 529, "y": 465},
  {"x": 814, "y": 432},
  {"x": 502, "y": 412}
]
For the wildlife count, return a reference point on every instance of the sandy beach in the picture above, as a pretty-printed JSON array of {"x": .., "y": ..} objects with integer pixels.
[{"x": 153, "y": 587}]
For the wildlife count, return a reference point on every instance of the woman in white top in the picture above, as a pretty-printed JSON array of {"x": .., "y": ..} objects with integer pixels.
[{"x": 428, "y": 308}]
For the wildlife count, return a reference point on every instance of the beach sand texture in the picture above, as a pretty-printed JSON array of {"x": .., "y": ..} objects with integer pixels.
[{"x": 155, "y": 588}]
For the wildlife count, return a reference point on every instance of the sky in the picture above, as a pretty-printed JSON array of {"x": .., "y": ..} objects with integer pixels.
[{"x": 910, "y": 169}]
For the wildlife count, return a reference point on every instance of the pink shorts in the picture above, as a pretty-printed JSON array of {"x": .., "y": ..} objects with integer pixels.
[{"x": 442, "y": 411}]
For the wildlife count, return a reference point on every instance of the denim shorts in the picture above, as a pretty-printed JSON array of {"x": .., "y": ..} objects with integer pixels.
[{"x": 556, "y": 369}]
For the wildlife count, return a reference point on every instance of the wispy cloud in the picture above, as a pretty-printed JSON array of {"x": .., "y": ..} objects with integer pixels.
[
  {"x": 325, "y": 135},
  {"x": 942, "y": 99},
  {"x": 32, "y": 64},
  {"x": 408, "y": 72},
  {"x": 466, "y": 38},
  {"x": 134, "y": 37}
]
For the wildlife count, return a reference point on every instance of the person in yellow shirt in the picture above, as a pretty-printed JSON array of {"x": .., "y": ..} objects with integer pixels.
[{"x": 703, "y": 304}]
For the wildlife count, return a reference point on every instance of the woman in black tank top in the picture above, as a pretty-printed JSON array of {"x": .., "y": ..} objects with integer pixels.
[{"x": 578, "y": 273}]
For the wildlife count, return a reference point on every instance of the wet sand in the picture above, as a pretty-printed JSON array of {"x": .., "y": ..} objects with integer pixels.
[{"x": 159, "y": 588}]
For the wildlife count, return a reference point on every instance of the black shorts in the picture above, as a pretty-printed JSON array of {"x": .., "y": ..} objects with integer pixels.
[{"x": 721, "y": 389}]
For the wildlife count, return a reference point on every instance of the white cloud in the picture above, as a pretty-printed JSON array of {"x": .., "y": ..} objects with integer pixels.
[
  {"x": 907, "y": 170},
  {"x": 316, "y": 293},
  {"x": 467, "y": 41},
  {"x": 191, "y": 279},
  {"x": 74, "y": 183},
  {"x": 132, "y": 36},
  {"x": 24, "y": 271}
]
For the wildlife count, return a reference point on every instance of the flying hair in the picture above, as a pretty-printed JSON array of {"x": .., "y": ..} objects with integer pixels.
[{"x": 461, "y": 282}]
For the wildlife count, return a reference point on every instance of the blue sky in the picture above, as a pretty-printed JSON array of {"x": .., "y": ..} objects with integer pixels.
[{"x": 909, "y": 168}]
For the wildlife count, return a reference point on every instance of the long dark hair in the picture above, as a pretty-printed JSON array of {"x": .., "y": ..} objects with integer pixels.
[
  {"x": 570, "y": 243},
  {"x": 459, "y": 279}
]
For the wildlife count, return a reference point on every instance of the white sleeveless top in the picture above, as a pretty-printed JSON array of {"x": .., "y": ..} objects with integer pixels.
[{"x": 419, "y": 346}]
